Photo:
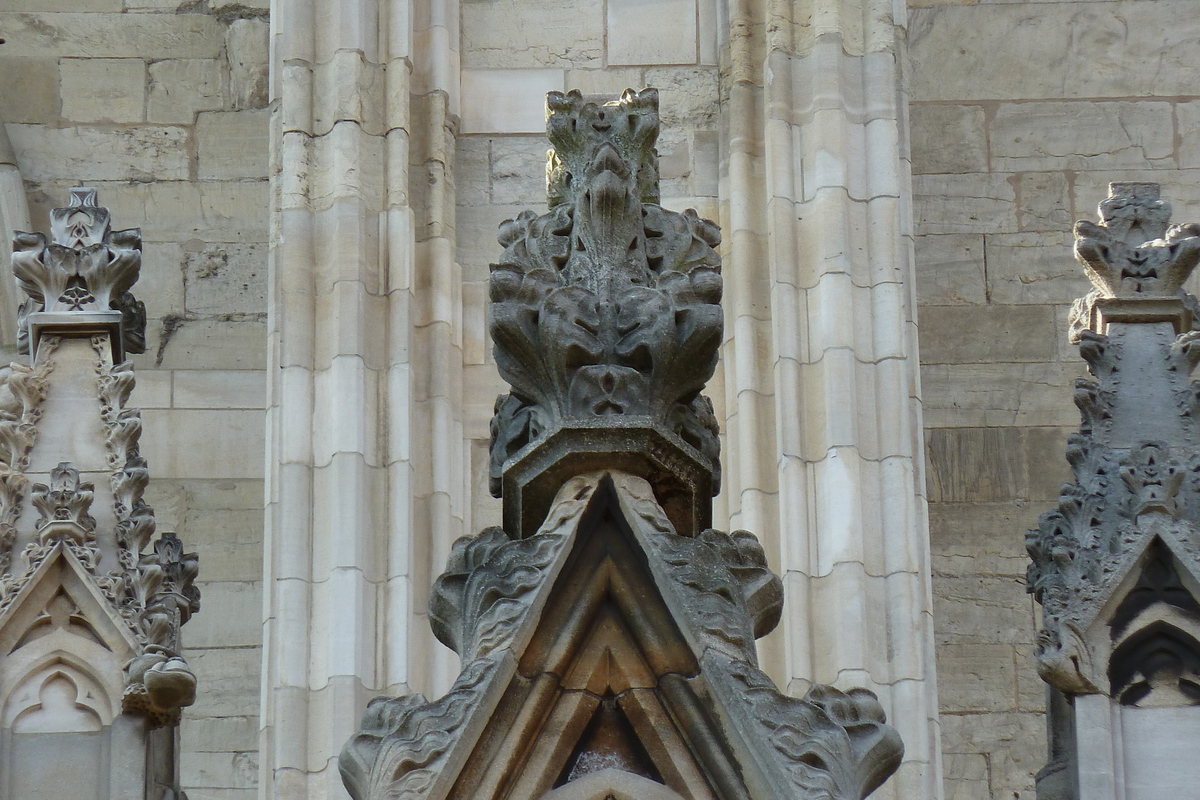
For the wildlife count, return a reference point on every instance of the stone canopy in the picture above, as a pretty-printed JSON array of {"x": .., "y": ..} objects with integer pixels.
[{"x": 609, "y": 656}]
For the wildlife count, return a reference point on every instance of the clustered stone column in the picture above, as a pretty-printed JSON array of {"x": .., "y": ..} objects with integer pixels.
[
  {"x": 820, "y": 360},
  {"x": 365, "y": 459},
  {"x": 607, "y": 632},
  {"x": 1116, "y": 566},
  {"x": 91, "y": 602}
]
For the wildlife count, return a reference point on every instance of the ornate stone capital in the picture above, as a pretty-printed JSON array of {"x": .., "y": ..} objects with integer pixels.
[
  {"x": 605, "y": 314},
  {"x": 80, "y": 279}
]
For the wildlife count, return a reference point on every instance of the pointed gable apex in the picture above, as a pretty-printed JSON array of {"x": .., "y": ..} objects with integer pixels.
[
  {"x": 608, "y": 642},
  {"x": 61, "y": 571}
]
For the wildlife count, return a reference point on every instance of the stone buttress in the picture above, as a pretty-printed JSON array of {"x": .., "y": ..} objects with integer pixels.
[
  {"x": 607, "y": 632},
  {"x": 1116, "y": 567},
  {"x": 91, "y": 601}
]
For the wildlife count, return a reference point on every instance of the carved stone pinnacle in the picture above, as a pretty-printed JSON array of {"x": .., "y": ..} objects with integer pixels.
[{"x": 606, "y": 321}]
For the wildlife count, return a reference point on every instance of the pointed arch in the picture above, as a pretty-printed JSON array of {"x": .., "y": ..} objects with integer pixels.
[{"x": 23, "y": 691}]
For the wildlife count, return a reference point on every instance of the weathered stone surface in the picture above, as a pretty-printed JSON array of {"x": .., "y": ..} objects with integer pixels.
[
  {"x": 974, "y": 465},
  {"x": 634, "y": 35},
  {"x": 225, "y": 623},
  {"x": 247, "y": 48},
  {"x": 225, "y": 278},
  {"x": 1014, "y": 745},
  {"x": 1000, "y": 334},
  {"x": 1087, "y": 135},
  {"x": 518, "y": 170},
  {"x": 1035, "y": 268},
  {"x": 507, "y": 100},
  {"x": 688, "y": 95},
  {"x": 103, "y": 89},
  {"x": 948, "y": 138},
  {"x": 179, "y": 88},
  {"x": 232, "y": 145},
  {"x": 78, "y": 35},
  {"x": 966, "y": 775},
  {"x": 221, "y": 770},
  {"x": 1105, "y": 57},
  {"x": 144, "y": 153},
  {"x": 169, "y": 444},
  {"x": 29, "y": 92},
  {"x": 228, "y": 679},
  {"x": 206, "y": 344},
  {"x": 1043, "y": 201},
  {"x": 981, "y": 395},
  {"x": 967, "y": 203},
  {"x": 978, "y": 538},
  {"x": 950, "y": 269},
  {"x": 976, "y": 678},
  {"x": 974, "y": 609},
  {"x": 515, "y": 34}
]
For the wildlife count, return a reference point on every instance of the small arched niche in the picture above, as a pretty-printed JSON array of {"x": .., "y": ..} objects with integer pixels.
[{"x": 60, "y": 711}]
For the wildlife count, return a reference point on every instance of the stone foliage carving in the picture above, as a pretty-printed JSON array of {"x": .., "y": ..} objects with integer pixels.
[
  {"x": 607, "y": 305},
  {"x": 1136, "y": 458},
  {"x": 828, "y": 744},
  {"x": 84, "y": 267}
]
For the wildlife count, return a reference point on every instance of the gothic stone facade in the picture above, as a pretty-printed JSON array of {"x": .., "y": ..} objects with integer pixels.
[{"x": 1014, "y": 119}]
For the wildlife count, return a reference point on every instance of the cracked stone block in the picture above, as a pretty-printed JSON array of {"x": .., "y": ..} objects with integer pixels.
[{"x": 948, "y": 138}]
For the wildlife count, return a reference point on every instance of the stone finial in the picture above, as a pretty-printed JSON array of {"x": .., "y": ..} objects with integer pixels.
[
  {"x": 81, "y": 279},
  {"x": 606, "y": 321},
  {"x": 1136, "y": 261}
]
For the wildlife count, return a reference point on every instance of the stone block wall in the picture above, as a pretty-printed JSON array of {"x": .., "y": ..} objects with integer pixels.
[
  {"x": 162, "y": 107},
  {"x": 1021, "y": 113}
]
